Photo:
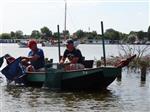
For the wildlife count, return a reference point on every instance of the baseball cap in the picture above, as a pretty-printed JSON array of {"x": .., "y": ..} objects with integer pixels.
[
  {"x": 69, "y": 41},
  {"x": 31, "y": 43}
]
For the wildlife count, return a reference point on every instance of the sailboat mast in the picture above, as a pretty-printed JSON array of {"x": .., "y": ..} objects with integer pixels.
[{"x": 65, "y": 15}]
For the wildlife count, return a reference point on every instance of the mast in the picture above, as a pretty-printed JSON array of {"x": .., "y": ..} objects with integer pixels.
[{"x": 65, "y": 15}]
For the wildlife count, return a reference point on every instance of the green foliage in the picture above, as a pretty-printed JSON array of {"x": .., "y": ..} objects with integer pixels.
[
  {"x": 5, "y": 36},
  {"x": 80, "y": 33},
  {"x": 19, "y": 34},
  {"x": 91, "y": 35},
  {"x": 94, "y": 33},
  {"x": 35, "y": 34},
  {"x": 131, "y": 38},
  {"x": 123, "y": 37},
  {"x": 55, "y": 35},
  {"x": 12, "y": 34},
  {"x": 133, "y": 32},
  {"x": 140, "y": 35},
  {"x": 46, "y": 33},
  {"x": 112, "y": 34}
]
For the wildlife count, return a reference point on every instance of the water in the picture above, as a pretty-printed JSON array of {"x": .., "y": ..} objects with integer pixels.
[{"x": 128, "y": 95}]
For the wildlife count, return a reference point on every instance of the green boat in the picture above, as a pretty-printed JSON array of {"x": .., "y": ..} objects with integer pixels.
[
  {"x": 35, "y": 79},
  {"x": 88, "y": 78},
  {"x": 55, "y": 77}
]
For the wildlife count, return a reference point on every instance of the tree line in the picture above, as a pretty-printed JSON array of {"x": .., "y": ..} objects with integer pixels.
[{"x": 110, "y": 34}]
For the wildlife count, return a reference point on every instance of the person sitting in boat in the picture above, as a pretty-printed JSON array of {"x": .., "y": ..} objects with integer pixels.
[
  {"x": 73, "y": 55},
  {"x": 35, "y": 60}
]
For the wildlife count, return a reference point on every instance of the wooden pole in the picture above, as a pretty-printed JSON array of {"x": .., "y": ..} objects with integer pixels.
[
  {"x": 103, "y": 43},
  {"x": 119, "y": 76},
  {"x": 143, "y": 73},
  {"x": 58, "y": 42}
]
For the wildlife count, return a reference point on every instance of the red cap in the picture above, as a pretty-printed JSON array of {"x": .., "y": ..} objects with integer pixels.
[{"x": 31, "y": 43}]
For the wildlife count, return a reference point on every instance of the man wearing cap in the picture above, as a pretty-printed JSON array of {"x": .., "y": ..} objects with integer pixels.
[
  {"x": 35, "y": 57},
  {"x": 74, "y": 56}
]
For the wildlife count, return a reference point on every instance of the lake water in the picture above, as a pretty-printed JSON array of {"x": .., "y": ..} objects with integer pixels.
[{"x": 127, "y": 95}]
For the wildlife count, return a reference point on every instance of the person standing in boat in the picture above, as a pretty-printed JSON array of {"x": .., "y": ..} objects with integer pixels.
[
  {"x": 35, "y": 60},
  {"x": 73, "y": 55}
]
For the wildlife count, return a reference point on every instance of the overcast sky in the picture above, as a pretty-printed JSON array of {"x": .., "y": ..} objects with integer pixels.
[{"x": 29, "y": 15}]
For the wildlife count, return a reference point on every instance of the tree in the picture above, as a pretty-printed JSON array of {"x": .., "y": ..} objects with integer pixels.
[
  {"x": 19, "y": 34},
  {"x": 46, "y": 33},
  {"x": 91, "y": 35},
  {"x": 140, "y": 35},
  {"x": 35, "y": 34},
  {"x": 133, "y": 32},
  {"x": 94, "y": 33},
  {"x": 80, "y": 33},
  {"x": 112, "y": 34},
  {"x": 131, "y": 38},
  {"x": 5, "y": 36},
  {"x": 55, "y": 35},
  {"x": 12, "y": 34},
  {"x": 123, "y": 37}
]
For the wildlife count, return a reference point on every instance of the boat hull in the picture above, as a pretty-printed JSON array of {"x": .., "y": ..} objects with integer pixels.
[
  {"x": 88, "y": 79},
  {"x": 35, "y": 79},
  {"x": 92, "y": 79}
]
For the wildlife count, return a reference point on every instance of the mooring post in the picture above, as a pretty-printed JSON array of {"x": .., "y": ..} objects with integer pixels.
[
  {"x": 59, "y": 54},
  {"x": 103, "y": 43},
  {"x": 143, "y": 73}
]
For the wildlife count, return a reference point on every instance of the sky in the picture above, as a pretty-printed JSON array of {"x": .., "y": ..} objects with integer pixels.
[{"x": 28, "y": 15}]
